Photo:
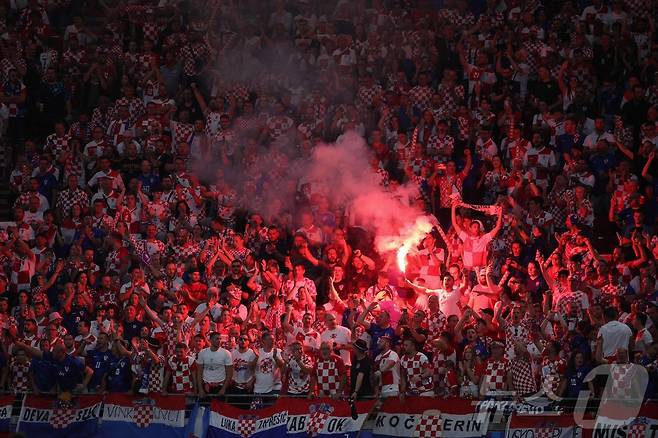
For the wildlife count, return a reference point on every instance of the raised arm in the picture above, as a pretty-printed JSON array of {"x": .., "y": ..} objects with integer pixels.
[
  {"x": 361, "y": 320},
  {"x": 199, "y": 98},
  {"x": 550, "y": 282},
  {"x": 645, "y": 170},
  {"x": 149, "y": 312},
  {"x": 31, "y": 351},
  {"x": 499, "y": 222},
  {"x": 453, "y": 217},
  {"x": 197, "y": 319}
]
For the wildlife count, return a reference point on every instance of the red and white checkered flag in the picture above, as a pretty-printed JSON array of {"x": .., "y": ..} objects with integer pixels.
[
  {"x": 543, "y": 432},
  {"x": 429, "y": 426},
  {"x": 246, "y": 426},
  {"x": 319, "y": 416},
  {"x": 62, "y": 417},
  {"x": 637, "y": 430},
  {"x": 143, "y": 414}
]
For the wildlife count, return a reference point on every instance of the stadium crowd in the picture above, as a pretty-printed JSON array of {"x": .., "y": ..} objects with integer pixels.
[{"x": 143, "y": 138}]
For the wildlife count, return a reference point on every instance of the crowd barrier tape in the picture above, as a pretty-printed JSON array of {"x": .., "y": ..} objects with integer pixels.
[{"x": 128, "y": 416}]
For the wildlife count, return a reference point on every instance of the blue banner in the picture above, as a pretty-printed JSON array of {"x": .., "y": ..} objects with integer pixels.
[
  {"x": 6, "y": 402},
  {"x": 227, "y": 421},
  {"x": 325, "y": 417},
  {"x": 129, "y": 416},
  {"x": 48, "y": 417}
]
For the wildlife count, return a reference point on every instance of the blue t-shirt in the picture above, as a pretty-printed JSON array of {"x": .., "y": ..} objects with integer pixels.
[
  {"x": 377, "y": 332},
  {"x": 480, "y": 348},
  {"x": 575, "y": 381},
  {"x": 72, "y": 319},
  {"x": 68, "y": 372},
  {"x": 44, "y": 374},
  {"x": 132, "y": 329},
  {"x": 118, "y": 375},
  {"x": 99, "y": 362},
  {"x": 149, "y": 182}
]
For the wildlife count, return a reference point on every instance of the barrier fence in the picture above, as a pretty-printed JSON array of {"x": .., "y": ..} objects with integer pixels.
[{"x": 113, "y": 415}]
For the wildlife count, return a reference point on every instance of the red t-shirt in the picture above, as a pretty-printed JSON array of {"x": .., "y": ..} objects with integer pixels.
[{"x": 197, "y": 291}]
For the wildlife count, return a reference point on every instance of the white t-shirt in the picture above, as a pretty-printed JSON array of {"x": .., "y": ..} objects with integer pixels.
[
  {"x": 339, "y": 335},
  {"x": 215, "y": 312},
  {"x": 268, "y": 374},
  {"x": 242, "y": 371},
  {"x": 128, "y": 285},
  {"x": 615, "y": 335},
  {"x": 481, "y": 297},
  {"x": 390, "y": 378},
  {"x": 448, "y": 302},
  {"x": 310, "y": 339},
  {"x": 214, "y": 364}
]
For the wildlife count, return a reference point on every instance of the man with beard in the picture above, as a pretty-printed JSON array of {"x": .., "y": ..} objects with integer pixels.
[{"x": 235, "y": 280}]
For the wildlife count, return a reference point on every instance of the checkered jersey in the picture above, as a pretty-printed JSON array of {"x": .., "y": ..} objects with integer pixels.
[
  {"x": 68, "y": 198},
  {"x": 80, "y": 131},
  {"x": 440, "y": 148},
  {"x": 539, "y": 162},
  {"x": 513, "y": 334},
  {"x": 299, "y": 381},
  {"x": 446, "y": 184},
  {"x": 451, "y": 96},
  {"x": 102, "y": 119},
  {"x": 413, "y": 368},
  {"x": 181, "y": 373},
  {"x": 328, "y": 373},
  {"x": 575, "y": 299},
  {"x": 551, "y": 372},
  {"x": 193, "y": 55},
  {"x": 609, "y": 292},
  {"x": 135, "y": 106},
  {"x": 152, "y": 30},
  {"x": 180, "y": 253},
  {"x": 57, "y": 145},
  {"x": 524, "y": 382},
  {"x": 366, "y": 95},
  {"x": 638, "y": 8},
  {"x": 622, "y": 381},
  {"x": 238, "y": 91},
  {"x": 20, "y": 377},
  {"x": 143, "y": 365},
  {"x": 421, "y": 96},
  {"x": 181, "y": 132},
  {"x": 436, "y": 323},
  {"x": 534, "y": 49},
  {"x": 174, "y": 336},
  {"x": 495, "y": 374}
]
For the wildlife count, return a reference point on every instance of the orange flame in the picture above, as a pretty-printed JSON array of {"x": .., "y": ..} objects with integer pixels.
[{"x": 411, "y": 237}]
